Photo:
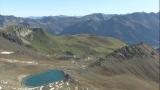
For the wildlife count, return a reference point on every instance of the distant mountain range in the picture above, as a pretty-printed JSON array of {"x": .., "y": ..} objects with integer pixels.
[{"x": 131, "y": 28}]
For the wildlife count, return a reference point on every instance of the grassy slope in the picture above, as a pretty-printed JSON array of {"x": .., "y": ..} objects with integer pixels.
[
  {"x": 52, "y": 44},
  {"x": 77, "y": 44},
  {"x": 80, "y": 45}
]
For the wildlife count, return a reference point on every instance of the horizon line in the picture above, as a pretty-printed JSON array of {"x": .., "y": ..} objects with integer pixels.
[{"x": 80, "y": 15}]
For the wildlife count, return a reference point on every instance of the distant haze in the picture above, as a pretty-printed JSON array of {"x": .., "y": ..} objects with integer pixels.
[{"x": 25, "y": 8}]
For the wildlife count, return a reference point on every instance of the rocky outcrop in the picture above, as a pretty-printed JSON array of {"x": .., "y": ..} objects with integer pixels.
[
  {"x": 138, "y": 50},
  {"x": 11, "y": 37},
  {"x": 20, "y": 34}
]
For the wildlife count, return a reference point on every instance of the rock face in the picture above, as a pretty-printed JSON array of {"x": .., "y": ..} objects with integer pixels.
[
  {"x": 20, "y": 34},
  {"x": 140, "y": 51},
  {"x": 10, "y": 37},
  {"x": 139, "y": 60}
]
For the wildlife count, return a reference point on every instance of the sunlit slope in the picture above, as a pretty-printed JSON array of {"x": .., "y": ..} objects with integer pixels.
[{"x": 37, "y": 39}]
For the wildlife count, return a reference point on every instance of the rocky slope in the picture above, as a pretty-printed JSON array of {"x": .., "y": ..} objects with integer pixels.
[{"x": 139, "y": 60}]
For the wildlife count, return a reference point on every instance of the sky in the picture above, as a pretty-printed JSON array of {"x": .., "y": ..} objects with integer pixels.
[{"x": 25, "y": 8}]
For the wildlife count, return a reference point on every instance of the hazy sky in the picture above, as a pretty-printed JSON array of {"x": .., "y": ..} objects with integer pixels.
[{"x": 75, "y": 7}]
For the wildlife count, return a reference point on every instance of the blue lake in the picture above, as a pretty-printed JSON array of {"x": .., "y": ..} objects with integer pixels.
[{"x": 44, "y": 78}]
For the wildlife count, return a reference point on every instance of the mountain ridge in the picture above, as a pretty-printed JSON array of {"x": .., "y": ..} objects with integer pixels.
[
  {"x": 139, "y": 60},
  {"x": 130, "y": 28}
]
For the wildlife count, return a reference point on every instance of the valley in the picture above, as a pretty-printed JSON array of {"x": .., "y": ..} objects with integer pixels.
[
  {"x": 93, "y": 52},
  {"x": 84, "y": 75}
]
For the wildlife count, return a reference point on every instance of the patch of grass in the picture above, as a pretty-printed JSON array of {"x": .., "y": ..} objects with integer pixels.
[{"x": 77, "y": 44}]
